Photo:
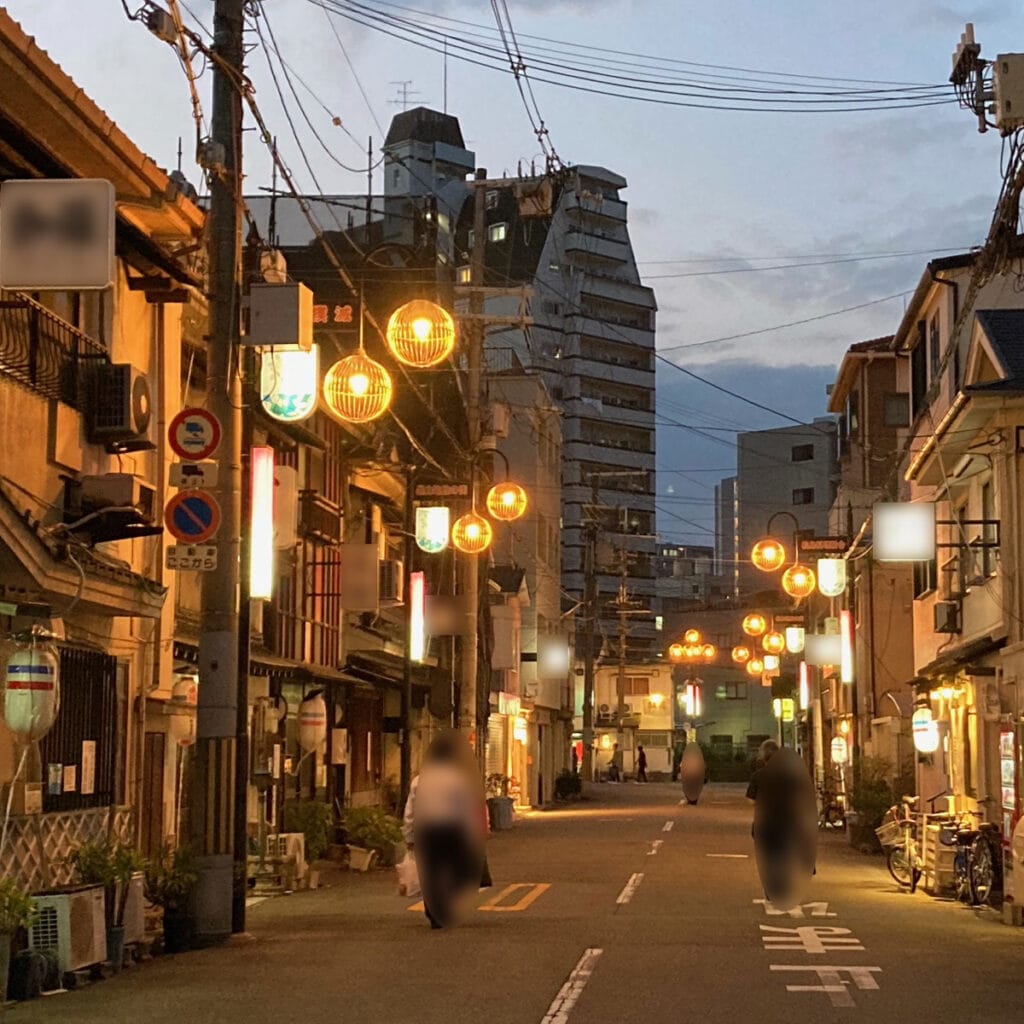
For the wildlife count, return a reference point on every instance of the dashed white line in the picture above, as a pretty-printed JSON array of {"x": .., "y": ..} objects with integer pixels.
[
  {"x": 654, "y": 847},
  {"x": 668, "y": 826},
  {"x": 631, "y": 887},
  {"x": 570, "y": 992},
  {"x": 729, "y": 856}
]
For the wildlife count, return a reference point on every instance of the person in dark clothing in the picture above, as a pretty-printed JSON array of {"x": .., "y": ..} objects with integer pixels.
[
  {"x": 641, "y": 764},
  {"x": 784, "y": 815}
]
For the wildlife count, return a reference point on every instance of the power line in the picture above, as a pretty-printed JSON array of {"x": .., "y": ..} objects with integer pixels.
[
  {"x": 869, "y": 254},
  {"x": 660, "y": 354}
]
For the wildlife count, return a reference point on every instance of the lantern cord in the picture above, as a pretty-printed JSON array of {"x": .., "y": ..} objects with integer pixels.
[
  {"x": 10, "y": 802},
  {"x": 81, "y": 586}
]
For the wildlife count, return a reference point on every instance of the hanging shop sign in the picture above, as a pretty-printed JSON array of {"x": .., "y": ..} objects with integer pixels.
[
  {"x": 433, "y": 523},
  {"x": 289, "y": 382},
  {"x": 441, "y": 490},
  {"x": 839, "y": 750},
  {"x": 191, "y": 557},
  {"x": 822, "y": 546}
]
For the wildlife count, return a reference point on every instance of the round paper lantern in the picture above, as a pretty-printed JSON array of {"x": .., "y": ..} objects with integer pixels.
[
  {"x": 472, "y": 533},
  {"x": 798, "y": 581},
  {"x": 421, "y": 333},
  {"x": 741, "y": 654},
  {"x": 692, "y": 636},
  {"x": 312, "y": 722},
  {"x": 32, "y": 691},
  {"x": 768, "y": 555},
  {"x": 357, "y": 389},
  {"x": 755, "y": 624},
  {"x": 755, "y": 667},
  {"x": 506, "y": 501},
  {"x": 708, "y": 652},
  {"x": 675, "y": 652},
  {"x": 289, "y": 380},
  {"x": 773, "y": 643},
  {"x": 692, "y": 651}
]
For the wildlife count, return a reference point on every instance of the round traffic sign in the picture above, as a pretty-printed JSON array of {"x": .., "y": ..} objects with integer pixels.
[
  {"x": 194, "y": 434},
  {"x": 192, "y": 516}
]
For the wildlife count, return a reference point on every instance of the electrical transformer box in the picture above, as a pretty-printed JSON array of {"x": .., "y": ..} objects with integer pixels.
[
  {"x": 1008, "y": 91},
  {"x": 280, "y": 314}
]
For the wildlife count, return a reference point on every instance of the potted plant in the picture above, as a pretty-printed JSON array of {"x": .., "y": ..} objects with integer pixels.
[
  {"x": 171, "y": 879},
  {"x": 568, "y": 785},
  {"x": 16, "y": 911},
  {"x": 313, "y": 818},
  {"x": 499, "y": 803},
  {"x": 371, "y": 833},
  {"x": 111, "y": 865}
]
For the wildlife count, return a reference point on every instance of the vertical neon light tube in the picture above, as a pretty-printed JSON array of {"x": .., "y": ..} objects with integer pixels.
[
  {"x": 846, "y": 641},
  {"x": 805, "y": 687},
  {"x": 261, "y": 533},
  {"x": 417, "y": 618}
]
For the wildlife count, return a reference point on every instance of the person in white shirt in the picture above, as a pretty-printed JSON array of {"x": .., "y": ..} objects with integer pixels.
[{"x": 443, "y": 824}]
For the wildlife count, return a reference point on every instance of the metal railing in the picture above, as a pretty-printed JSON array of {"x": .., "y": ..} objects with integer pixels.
[{"x": 41, "y": 351}]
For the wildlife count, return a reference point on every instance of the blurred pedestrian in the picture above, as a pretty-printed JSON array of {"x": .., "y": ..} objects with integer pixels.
[
  {"x": 641, "y": 763},
  {"x": 783, "y": 830},
  {"x": 445, "y": 822}
]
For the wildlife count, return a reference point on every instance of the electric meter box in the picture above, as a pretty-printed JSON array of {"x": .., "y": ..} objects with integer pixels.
[
  {"x": 1008, "y": 91},
  {"x": 280, "y": 314}
]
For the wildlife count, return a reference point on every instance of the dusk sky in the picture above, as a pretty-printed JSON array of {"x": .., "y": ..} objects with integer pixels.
[{"x": 713, "y": 190}]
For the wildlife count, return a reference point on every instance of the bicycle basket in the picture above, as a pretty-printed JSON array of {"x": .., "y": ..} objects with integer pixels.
[{"x": 890, "y": 833}]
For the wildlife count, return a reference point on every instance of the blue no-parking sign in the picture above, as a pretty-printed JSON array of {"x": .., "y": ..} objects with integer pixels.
[{"x": 192, "y": 516}]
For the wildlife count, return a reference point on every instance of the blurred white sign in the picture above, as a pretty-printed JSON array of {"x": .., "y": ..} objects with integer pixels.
[{"x": 57, "y": 235}]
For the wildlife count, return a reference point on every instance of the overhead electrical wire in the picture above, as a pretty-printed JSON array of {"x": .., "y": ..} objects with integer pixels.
[
  {"x": 629, "y": 85},
  {"x": 564, "y": 44},
  {"x": 869, "y": 254}
]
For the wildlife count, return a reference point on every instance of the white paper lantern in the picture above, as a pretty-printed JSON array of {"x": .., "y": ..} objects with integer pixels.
[{"x": 32, "y": 691}]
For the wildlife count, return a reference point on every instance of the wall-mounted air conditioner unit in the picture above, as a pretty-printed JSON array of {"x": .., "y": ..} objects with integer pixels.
[
  {"x": 391, "y": 580},
  {"x": 72, "y": 925},
  {"x": 120, "y": 406},
  {"x": 947, "y": 617}
]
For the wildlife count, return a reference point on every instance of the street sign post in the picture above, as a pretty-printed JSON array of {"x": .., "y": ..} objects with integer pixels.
[
  {"x": 192, "y": 557},
  {"x": 192, "y": 517},
  {"x": 193, "y": 476},
  {"x": 194, "y": 434}
]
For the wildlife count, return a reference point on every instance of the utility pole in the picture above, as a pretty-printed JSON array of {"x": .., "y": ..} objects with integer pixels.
[
  {"x": 405, "y": 762},
  {"x": 468, "y": 698},
  {"x": 590, "y": 604},
  {"x": 212, "y": 804},
  {"x": 620, "y": 680}
]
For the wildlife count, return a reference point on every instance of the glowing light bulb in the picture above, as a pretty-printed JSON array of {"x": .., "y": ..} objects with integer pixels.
[{"x": 359, "y": 384}]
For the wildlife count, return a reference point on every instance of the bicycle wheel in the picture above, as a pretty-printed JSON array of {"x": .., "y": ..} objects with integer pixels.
[
  {"x": 981, "y": 871},
  {"x": 899, "y": 866}
]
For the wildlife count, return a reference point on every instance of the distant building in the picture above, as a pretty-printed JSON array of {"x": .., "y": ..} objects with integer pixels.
[
  {"x": 727, "y": 540},
  {"x": 592, "y": 340},
  {"x": 788, "y": 469}
]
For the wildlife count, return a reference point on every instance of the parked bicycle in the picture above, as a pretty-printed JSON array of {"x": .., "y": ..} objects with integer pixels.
[
  {"x": 977, "y": 863},
  {"x": 833, "y": 813},
  {"x": 898, "y": 836}
]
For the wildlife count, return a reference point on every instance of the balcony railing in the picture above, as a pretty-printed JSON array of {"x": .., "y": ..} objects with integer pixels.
[{"x": 41, "y": 351}]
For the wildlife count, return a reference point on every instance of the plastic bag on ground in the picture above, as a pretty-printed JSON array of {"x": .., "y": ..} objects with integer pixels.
[{"x": 408, "y": 877}]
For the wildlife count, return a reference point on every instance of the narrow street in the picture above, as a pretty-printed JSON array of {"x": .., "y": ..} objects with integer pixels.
[{"x": 628, "y": 907}]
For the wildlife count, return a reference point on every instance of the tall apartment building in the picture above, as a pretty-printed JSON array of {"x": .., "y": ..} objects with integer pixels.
[
  {"x": 727, "y": 539},
  {"x": 788, "y": 469},
  {"x": 592, "y": 340}
]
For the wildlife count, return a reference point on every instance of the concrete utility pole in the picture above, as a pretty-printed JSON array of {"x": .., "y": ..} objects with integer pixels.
[
  {"x": 620, "y": 679},
  {"x": 468, "y": 697},
  {"x": 212, "y": 817}
]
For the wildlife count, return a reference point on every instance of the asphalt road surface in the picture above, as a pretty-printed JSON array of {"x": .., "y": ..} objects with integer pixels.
[{"x": 627, "y": 907}]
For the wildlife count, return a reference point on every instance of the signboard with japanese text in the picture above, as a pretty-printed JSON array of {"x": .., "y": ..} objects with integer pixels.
[{"x": 192, "y": 557}]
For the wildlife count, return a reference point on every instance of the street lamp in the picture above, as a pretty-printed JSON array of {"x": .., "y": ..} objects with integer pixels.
[
  {"x": 472, "y": 533},
  {"x": 798, "y": 581},
  {"x": 741, "y": 654},
  {"x": 773, "y": 642},
  {"x": 768, "y": 555},
  {"x": 421, "y": 334},
  {"x": 755, "y": 667},
  {"x": 506, "y": 501},
  {"x": 754, "y": 624},
  {"x": 357, "y": 389}
]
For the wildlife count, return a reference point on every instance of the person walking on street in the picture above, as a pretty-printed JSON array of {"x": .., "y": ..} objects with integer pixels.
[
  {"x": 641, "y": 764},
  {"x": 444, "y": 820}
]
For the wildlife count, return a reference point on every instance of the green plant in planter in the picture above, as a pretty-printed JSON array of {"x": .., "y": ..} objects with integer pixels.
[
  {"x": 315, "y": 821},
  {"x": 171, "y": 878},
  {"x": 568, "y": 785},
  {"x": 496, "y": 785},
  {"x": 111, "y": 865},
  {"x": 17, "y": 909},
  {"x": 372, "y": 829}
]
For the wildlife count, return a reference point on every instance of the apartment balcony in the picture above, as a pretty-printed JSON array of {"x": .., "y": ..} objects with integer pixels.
[
  {"x": 600, "y": 369},
  {"x": 589, "y": 249},
  {"x": 618, "y": 289},
  {"x": 42, "y": 352},
  {"x": 621, "y": 329},
  {"x": 598, "y": 209}
]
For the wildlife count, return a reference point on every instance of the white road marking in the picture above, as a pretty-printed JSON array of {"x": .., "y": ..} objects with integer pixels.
[
  {"x": 654, "y": 847},
  {"x": 834, "y": 984},
  {"x": 729, "y": 856},
  {"x": 810, "y": 939},
  {"x": 668, "y": 826},
  {"x": 570, "y": 992},
  {"x": 631, "y": 887},
  {"x": 817, "y": 909}
]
